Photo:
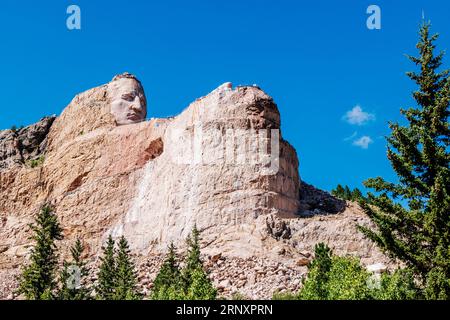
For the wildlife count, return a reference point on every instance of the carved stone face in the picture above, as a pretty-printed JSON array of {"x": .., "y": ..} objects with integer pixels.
[{"x": 128, "y": 103}]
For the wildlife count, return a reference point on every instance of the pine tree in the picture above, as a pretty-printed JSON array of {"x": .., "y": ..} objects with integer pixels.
[
  {"x": 347, "y": 193},
  {"x": 197, "y": 285},
  {"x": 338, "y": 192},
  {"x": 126, "y": 275},
  {"x": 107, "y": 272},
  {"x": 38, "y": 278},
  {"x": 319, "y": 268},
  {"x": 194, "y": 261},
  {"x": 168, "y": 278},
  {"x": 73, "y": 276},
  {"x": 357, "y": 195},
  {"x": 418, "y": 233},
  {"x": 201, "y": 287}
]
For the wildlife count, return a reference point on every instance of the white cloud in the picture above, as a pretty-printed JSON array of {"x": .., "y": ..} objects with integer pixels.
[
  {"x": 353, "y": 135},
  {"x": 363, "y": 142},
  {"x": 358, "y": 116}
]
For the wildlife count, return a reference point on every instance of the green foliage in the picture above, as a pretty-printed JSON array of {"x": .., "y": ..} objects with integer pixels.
[
  {"x": 126, "y": 275},
  {"x": 397, "y": 286},
  {"x": 73, "y": 276},
  {"x": 117, "y": 277},
  {"x": 347, "y": 280},
  {"x": 418, "y": 234},
  {"x": 285, "y": 296},
  {"x": 437, "y": 284},
  {"x": 339, "y": 191},
  {"x": 36, "y": 162},
  {"x": 191, "y": 283},
  {"x": 319, "y": 268},
  {"x": 345, "y": 193},
  {"x": 172, "y": 292},
  {"x": 343, "y": 278},
  {"x": 196, "y": 282},
  {"x": 168, "y": 281},
  {"x": 107, "y": 272},
  {"x": 238, "y": 296},
  {"x": 357, "y": 195},
  {"x": 194, "y": 261},
  {"x": 334, "y": 278},
  {"x": 38, "y": 278},
  {"x": 201, "y": 287}
]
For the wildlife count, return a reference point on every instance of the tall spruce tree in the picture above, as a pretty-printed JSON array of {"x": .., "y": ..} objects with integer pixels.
[
  {"x": 73, "y": 276},
  {"x": 126, "y": 275},
  {"x": 357, "y": 195},
  {"x": 338, "y": 192},
  {"x": 193, "y": 260},
  {"x": 418, "y": 233},
  {"x": 197, "y": 285},
  {"x": 168, "y": 278},
  {"x": 107, "y": 272},
  {"x": 37, "y": 281}
]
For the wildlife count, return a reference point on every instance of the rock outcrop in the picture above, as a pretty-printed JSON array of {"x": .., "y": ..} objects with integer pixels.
[
  {"x": 221, "y": 164},
  {"x": 25, "y": 144}
]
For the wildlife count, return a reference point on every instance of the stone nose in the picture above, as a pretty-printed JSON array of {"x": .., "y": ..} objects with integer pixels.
[{"x": 137, "y": 106}]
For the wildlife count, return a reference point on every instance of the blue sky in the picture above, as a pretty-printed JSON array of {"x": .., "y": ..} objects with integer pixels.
[{"x": 318, "y": 60}]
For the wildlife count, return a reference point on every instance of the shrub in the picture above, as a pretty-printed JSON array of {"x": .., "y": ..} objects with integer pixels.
[{"x": 36, "y": 162}]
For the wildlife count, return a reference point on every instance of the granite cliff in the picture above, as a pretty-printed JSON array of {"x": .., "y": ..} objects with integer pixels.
[{"x": 222, "y": 164}]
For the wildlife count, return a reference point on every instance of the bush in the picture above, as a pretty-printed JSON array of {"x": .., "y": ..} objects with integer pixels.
[
  {"x": 285, "y": 296},
  {"x": 36, "y": 162},
  {"x": 343, "y": 278},
  {"x": 347, "y": 280},
  {"x": 399, "y": 285}
]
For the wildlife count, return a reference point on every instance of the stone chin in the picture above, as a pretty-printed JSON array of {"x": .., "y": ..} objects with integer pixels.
[{"x": 127, "y": 99}]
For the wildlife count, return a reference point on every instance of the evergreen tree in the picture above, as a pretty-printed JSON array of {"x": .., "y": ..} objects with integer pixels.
[
  {"x": 319, "y": 269},
  {"x": 197, "y": 285},
  {"x": 347, "y": 193},
  {"x": 194, "y": 261},
  {"x": 126, "y": 275},
  {"x": 418, "y": 234},
  {"x": 168, "y": 278},
  {"x": 191, "y": 283},
  {"x": 357, "y": 195},
  {"x": 73, "y": 276},
  {"x": 338, "y": 192},
  {"x": 38, "y": 278},
  {"x": 107, "y": 272},
  {"x": 201, "y": 287}
]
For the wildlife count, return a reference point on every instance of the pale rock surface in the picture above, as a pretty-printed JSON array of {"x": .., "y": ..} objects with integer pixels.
[{"x": 108, "y": 171}]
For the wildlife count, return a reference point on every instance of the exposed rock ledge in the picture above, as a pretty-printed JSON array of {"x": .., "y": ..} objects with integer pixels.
[{"x": 25, "y": 144}]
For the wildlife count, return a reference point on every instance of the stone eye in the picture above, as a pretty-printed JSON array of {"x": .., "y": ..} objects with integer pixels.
[{"x": 128, "y": 97}]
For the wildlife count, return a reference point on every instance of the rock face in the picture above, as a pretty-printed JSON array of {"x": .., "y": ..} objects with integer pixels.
[
  {"x": 19, "y": 146},
  {"x": 221, "y": 164}
]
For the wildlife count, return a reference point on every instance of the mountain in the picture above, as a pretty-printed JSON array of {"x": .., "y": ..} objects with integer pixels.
[{"x": 221, "y": 164}]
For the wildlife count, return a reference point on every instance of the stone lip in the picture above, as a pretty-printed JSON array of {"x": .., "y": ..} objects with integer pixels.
[{"x": 28, "y": 143}]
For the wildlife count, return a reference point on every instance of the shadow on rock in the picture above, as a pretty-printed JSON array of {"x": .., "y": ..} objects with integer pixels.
[{"x": 314, "y": 201}]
